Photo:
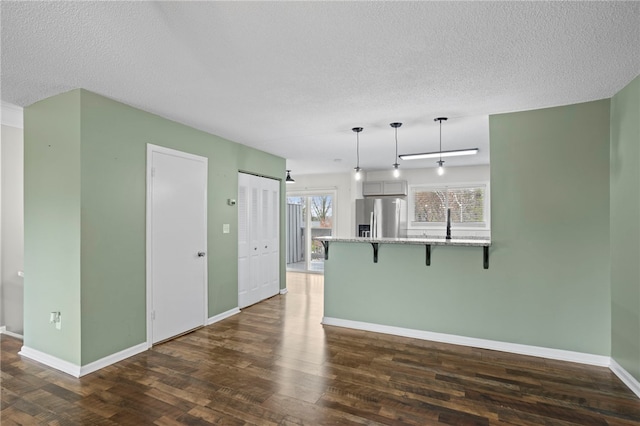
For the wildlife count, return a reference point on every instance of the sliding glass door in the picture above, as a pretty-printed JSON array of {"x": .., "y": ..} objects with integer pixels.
[{"x": 308, "y": 215}]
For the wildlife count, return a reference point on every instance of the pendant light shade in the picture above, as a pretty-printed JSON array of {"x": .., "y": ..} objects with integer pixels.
[
  {"x": 289, "y": 179},
  {"x": 440, "y": 161},
  {"x": 396, "y": 166},
  {"x": 358, "y": 175}
]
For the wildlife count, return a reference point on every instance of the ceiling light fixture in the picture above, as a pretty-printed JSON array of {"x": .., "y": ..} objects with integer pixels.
[
  {"x": 357, "y": 169},
  {"x": 289, "y": 179},
  {"x": 422, "y": 156},
  {"x": 396, "y": 170},
  {"x": 440, "y": 162}
]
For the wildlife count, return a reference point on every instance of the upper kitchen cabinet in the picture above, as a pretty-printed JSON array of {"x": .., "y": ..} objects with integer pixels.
[{"x": 386, "y": 187}]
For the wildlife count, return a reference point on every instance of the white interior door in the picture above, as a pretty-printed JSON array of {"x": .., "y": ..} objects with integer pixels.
[
  {"x": 258, "y": 239},
  {"x": 176, "y": 242}
]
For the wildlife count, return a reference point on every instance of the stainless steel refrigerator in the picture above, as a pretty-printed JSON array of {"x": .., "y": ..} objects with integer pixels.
[{"x": 381, "y": 217}]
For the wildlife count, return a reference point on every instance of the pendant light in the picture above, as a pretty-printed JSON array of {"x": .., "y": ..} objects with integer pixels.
[
  {"x": 357, "y": 168},
  {"x": 289, "y": 179},
  {"x": 396, "y": 170},
  {"x": 440, "y": 162}
]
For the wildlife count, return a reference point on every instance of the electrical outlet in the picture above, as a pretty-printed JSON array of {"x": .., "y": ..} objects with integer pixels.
[
  {"x": 56, "y": 318},
  {"x": 225, "y": 228}
]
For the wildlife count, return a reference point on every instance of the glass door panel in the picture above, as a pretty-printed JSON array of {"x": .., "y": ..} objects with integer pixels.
[
  {"x": 308, "y": 216},
  {"x": 321, "y": 208}
]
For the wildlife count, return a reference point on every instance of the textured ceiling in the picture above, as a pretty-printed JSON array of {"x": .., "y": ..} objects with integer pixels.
[{"x": 293, "y": 78}]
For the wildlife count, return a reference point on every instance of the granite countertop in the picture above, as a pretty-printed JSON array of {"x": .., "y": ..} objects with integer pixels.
[{"x": 469, "y": 242}]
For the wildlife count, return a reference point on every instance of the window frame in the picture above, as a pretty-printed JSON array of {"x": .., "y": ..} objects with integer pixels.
[{"x": 413, "y": 225}]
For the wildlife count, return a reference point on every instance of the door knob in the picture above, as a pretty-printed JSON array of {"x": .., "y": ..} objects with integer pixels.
[{"x": 200, "y": 254}]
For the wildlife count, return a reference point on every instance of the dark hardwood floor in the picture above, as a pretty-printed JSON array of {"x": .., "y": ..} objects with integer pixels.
[{"x": 274, "y": 364}]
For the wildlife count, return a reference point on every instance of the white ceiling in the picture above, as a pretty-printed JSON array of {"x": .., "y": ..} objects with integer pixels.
[{"x": 293, "y": 78}]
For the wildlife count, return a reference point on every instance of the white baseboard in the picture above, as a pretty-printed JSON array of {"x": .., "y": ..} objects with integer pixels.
[
  {"x": 3, "y": 330},
  {"x": 113, "y": 358},
  {"x": 75, "y": 370},
  {"x": 50, "y": 361},
  {"x": 626, "y": 378},
  {"x": 284, "y": 291},
  {"x": 222, "y": 316},
  {"x": 559, "y": 354}
]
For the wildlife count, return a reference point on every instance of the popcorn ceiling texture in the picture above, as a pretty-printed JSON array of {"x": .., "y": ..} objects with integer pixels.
[{"x": 292, "y": 78}]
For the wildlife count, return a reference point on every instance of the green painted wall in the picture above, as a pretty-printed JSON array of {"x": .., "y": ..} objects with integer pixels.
[
  {"x": 625, "y": 228},
  {"x": 52, "y": 232},
  {"x": 548, "y": 281},
  {"x": 112, "y": 156}
]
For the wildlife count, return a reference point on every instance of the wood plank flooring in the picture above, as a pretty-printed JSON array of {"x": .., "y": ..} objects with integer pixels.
[{"x": 275, "y": 364}]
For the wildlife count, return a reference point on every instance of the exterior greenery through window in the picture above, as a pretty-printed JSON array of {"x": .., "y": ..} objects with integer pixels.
[{"x": 467, "y": 205}]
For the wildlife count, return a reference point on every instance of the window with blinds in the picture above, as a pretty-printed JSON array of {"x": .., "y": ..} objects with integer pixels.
[{"x": 428, "y": 205}]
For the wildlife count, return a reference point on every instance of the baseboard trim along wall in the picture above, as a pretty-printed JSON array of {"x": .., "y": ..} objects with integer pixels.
[
  {"x": 3, "y": 330},
  {"x": 75, "y": 370},
  {"x": 516, "y": 348},
  {"x": 284, "y": 291},
  {"x": 222, "y": 316},
  {"x": 50, "y": 361},
  {"x": 112, "y": 359},
  {"x": 626, "y": 378}
]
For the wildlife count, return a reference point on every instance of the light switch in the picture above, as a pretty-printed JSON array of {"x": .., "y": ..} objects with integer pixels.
[{"x": 225, "y": 228}]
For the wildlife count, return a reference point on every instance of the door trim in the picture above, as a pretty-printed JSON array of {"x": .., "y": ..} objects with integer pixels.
[{"x": 148, "y": 256}]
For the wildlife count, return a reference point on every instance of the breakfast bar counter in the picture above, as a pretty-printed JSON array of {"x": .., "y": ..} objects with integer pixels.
[{"x": 427, "y": 242}]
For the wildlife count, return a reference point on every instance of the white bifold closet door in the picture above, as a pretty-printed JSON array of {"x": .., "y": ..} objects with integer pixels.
[{"x": 258, "y": 238}]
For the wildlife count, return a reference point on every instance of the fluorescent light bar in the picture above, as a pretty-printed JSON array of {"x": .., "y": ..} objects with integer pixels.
[{"x": 471, "y": 151}]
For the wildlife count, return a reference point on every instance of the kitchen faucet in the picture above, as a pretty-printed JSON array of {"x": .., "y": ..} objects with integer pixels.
[{"x": 448, "y": 224}]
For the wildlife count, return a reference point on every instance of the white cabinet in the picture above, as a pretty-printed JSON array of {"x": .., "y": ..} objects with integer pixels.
[
  {"x": 386, "y": 187},
  {"x": 258, "y": 239}
]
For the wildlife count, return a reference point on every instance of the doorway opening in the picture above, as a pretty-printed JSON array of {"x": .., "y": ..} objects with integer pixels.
[{"x": 309, "y": 215}]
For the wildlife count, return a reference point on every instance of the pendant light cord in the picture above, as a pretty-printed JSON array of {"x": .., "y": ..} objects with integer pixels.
[
  {"x": 396, "y": 159},
  {"x": 358, "y": 150},
  {"x": 441, "y": 141}
]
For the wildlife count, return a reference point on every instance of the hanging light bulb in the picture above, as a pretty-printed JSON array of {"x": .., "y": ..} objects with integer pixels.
[
  {"x": 396, "y": 169},
  {"x": 358, "y": 175},
  {"x": 440, "y": 162}
]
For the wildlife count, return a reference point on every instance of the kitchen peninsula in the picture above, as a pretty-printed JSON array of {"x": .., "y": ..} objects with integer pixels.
[
  {"x": 395, "y": 286},
  {"x": 427, "y": 242}
]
